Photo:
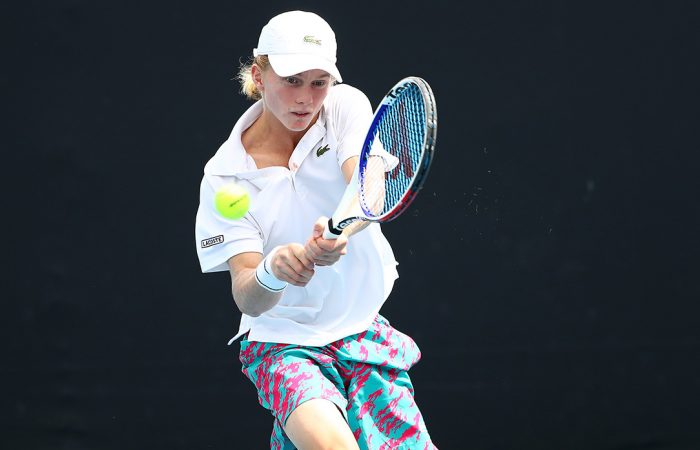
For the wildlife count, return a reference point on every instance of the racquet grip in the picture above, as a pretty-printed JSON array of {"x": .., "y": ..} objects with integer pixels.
[{"x": 331, "y": 232}]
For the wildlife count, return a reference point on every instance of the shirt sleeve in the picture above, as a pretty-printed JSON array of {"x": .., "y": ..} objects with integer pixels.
[{"x": 217, "y": 238}]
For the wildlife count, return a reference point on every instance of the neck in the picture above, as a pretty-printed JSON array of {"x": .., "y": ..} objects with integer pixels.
[
  {"x": 269, "y": 129},
  {"x": 269, "y": 142}
]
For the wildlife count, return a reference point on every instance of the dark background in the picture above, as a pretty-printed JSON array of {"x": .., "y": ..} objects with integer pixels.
[{"x": 549, "y": 268}]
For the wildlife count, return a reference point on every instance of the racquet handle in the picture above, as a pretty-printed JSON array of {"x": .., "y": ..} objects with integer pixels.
[{"x": 329, "y": 232}]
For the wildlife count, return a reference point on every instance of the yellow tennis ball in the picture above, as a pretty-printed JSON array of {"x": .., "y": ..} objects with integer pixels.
[{"x": 232, "y": 201}]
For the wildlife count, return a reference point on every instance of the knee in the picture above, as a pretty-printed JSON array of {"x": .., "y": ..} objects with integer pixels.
[
  {"x": 324, "y": 439},
  {"x": 319, "y": 425}
]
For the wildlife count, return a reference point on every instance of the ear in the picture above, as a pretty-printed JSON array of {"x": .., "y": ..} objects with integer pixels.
[{"x": 256, "y": 73}]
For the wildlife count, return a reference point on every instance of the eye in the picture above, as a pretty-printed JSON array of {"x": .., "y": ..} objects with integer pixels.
[
  {"x": 320, "y": 83},
  {"x": 292, "y": 80}
]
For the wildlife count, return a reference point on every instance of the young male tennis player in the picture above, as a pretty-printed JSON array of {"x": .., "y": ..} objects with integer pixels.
[{"x": 332, "y": 371}]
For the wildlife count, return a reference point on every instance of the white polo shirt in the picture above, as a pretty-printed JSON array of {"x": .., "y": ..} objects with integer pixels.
[{"x": 341, "y": 299}]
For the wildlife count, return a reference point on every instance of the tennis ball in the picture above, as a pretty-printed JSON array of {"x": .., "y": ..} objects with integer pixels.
[{"x": 232, "y": 201}]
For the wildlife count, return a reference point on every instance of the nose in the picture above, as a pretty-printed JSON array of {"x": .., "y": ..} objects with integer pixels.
[{"x": 304, "y": 96}]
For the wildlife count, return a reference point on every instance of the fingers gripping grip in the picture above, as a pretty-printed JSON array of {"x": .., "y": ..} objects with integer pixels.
[{"x": 331, "y": 232}]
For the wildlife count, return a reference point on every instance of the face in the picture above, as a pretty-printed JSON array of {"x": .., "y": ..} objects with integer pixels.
[{"x": 295, "y": 100}]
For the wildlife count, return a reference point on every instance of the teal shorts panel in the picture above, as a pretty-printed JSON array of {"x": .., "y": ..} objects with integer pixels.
[{"x": 364, "y": 375}]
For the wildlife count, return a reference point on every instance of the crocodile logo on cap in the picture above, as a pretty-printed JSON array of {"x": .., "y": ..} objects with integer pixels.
[{"x": 312, "y": 40}]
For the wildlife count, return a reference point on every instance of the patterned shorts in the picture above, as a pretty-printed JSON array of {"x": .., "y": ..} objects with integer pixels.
[{"x": 363, "y": 374}]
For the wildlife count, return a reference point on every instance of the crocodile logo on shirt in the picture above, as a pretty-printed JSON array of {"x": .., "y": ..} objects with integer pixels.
[{"x": 322, "y": 150}]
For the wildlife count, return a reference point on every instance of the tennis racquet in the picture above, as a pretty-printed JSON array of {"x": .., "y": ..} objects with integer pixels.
[{"x": 394, "y": 159}]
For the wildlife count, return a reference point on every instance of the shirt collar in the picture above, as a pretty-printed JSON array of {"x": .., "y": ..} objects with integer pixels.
[{"x": 232, "y": 159}]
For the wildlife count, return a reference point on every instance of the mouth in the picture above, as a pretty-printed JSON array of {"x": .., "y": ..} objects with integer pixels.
[{"x": 301, "y": 115}]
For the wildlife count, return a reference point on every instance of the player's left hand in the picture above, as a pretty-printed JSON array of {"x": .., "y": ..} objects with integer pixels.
[{"x": 325, "y": 252}]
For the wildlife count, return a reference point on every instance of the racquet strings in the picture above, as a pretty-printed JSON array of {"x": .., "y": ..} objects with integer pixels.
[{"x": 400, "y": 131}]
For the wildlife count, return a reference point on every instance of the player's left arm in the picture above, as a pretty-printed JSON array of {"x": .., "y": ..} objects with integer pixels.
[
  {"x": 326, "y": 252},
  {"x": 348, "y": 169}
]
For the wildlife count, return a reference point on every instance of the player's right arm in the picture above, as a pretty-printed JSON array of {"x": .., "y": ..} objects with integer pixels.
[{"x": 289, "y": 264}]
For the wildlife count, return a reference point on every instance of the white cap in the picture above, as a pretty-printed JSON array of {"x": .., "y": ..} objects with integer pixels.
[{"x": 297, "y": 41}]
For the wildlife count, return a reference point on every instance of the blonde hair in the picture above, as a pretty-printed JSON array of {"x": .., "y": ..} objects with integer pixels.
[{"x": 245, "y": 77}]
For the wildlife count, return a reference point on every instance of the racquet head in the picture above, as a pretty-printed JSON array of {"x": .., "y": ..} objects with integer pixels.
[{"x": 398, "y": 150}]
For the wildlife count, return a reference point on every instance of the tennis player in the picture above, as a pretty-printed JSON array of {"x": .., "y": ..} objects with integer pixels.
[{"x": 331, "y": 370}]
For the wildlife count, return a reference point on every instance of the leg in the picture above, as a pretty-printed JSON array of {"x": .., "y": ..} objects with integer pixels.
[
  {"x": 318, "y": 424},
  {"x": 381, "y": 410},
  {"x": 302, "y": 389}
]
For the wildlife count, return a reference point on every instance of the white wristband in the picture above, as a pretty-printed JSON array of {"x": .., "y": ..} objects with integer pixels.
[{"x": 265, "y": 277}]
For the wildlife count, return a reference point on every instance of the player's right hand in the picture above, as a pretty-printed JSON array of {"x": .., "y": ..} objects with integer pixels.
[
  {"x": 325, "y": 252},
  {"x": 291, "y": 264}
]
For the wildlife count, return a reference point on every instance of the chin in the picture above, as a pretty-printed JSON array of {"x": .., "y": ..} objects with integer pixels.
[{"x": 298, "y": 126}]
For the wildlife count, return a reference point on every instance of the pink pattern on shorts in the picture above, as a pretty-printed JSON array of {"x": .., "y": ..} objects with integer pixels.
[{"x": 364, "y": 375}]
